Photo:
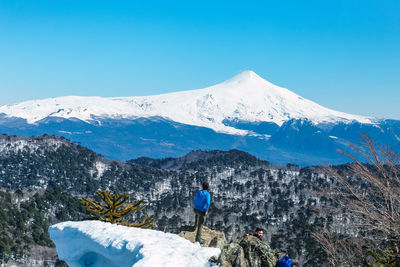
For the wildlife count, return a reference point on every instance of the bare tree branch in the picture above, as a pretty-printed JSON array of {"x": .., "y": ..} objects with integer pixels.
[{"x": 368, "y": 194}]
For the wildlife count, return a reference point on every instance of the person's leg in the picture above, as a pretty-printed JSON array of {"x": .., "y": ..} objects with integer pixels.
[
  {"x": 196, "y": 220},
  {"x": 200, "y": 222}
]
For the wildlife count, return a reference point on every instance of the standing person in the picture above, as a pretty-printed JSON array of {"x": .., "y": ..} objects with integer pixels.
[{"x": 201, "y": 205}]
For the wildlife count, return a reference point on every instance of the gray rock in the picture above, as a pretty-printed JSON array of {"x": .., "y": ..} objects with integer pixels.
[
  {"x": 207, "y": 235},
  {"x": 217, "y": 242},
  {"x": 232, "y": 255},
  {"x": 249, "y": 252},
  {"x": 213, "y": 259}
]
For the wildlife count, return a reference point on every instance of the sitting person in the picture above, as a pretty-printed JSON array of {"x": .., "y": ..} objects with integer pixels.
[{"x": 258, "y": 233}]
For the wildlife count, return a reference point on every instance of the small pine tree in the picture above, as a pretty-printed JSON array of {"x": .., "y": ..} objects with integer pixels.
[{"x": 115, "y": 209}]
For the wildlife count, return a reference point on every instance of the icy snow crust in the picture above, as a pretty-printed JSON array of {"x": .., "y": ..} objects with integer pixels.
[
  {"x": 245, "y": 97},
  {"x": 95, "y": 244}
]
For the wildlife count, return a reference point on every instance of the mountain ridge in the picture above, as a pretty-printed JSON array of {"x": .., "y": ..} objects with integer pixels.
[
  {"x": 245, "y": 96},
  {"x": 192, "y": 157},
  {"x": 245, "y": 112}
]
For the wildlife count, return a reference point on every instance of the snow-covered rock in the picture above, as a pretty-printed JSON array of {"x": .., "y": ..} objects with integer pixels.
[
  {"x": 95, "y": 244},
  {"x": 245, "y": 97}
]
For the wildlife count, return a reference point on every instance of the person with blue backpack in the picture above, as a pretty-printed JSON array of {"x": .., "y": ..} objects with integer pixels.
[{"x": 201, "y": 203}]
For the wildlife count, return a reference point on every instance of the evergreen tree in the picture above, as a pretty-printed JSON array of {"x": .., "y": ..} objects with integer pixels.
[{"x": 115, "y": 209}]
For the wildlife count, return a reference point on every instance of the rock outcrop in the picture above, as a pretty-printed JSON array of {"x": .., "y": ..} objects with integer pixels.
[
  {"x": 211, "y": 237},
  {"x": 232, "y": 255},
  {"x": 247, "y": 251}
]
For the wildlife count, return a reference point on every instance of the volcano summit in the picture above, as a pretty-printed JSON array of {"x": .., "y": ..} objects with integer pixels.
[{"x": 245, "y": 112}]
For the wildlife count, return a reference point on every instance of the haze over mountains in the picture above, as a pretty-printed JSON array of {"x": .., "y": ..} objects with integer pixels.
[{"x": 245, "y": 112}]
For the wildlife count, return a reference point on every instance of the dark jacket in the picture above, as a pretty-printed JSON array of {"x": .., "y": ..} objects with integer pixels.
[{"x": 202, "y": 200}]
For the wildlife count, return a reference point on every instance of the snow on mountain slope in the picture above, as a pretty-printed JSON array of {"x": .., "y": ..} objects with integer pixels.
[
  {"x": 10, "y": 144},
  {"x": 245, "y": 97}
]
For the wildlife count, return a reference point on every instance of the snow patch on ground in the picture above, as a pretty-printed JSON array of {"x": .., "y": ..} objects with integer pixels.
[
  {"x": 98, "y": 168},
  {"x": 95, "y": 244},
  {"x": 13, "y": 144},
  {"x": 101, "y": 168}
]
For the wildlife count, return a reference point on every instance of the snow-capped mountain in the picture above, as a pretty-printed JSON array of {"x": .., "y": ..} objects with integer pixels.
[
  {"x": 245, "y": 97},
  {"x": 245, "y": 112}
]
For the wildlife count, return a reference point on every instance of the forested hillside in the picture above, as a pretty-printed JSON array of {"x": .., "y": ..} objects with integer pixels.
[{"x": 43, "y": 177}]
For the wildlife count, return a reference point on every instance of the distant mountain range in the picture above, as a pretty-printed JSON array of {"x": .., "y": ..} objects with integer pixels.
[{"x": 245, "y": 112}]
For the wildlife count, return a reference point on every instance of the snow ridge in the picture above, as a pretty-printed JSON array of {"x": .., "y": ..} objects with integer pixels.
[
  {"x": 96, "y": 244},
  {"x": 245, "y": 97}
]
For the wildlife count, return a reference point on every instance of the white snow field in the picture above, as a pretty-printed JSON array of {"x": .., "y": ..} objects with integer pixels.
[
  {"x": 245, "y": 97},
  {"x": 95, "y": 244}
]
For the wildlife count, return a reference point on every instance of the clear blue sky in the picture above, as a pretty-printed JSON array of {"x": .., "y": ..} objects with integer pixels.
[{"x": 343, "y": 54}]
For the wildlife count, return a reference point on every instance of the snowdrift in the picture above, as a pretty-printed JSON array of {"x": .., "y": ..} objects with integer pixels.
[{"x": 95, "y": 244}]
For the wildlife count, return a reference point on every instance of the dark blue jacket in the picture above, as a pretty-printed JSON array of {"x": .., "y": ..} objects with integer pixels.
[{"x": 202, "y": 200}]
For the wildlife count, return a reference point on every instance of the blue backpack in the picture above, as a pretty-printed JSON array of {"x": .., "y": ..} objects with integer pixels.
[{"x": 285, "y": 261}]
